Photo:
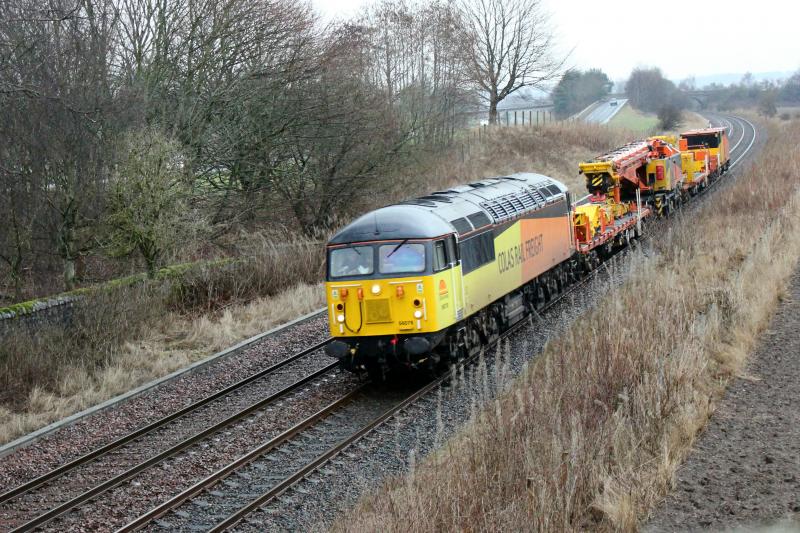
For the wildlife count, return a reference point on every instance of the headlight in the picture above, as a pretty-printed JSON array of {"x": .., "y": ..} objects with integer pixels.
[
  {"x": 340, "y": 318},
  {"x": 417, "y": 314},
  {"x": 376, "y": 289}
]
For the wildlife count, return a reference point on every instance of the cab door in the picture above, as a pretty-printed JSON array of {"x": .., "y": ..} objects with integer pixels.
[{"x": 450, "y": 287}]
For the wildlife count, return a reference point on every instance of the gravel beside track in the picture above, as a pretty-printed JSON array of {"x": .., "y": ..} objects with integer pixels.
[
  {"x": 263, "y": 473},
  {"x": 91, "y": 432},
  {"x": 127, "y": 501},
  {"x": 745, "y": 470}
]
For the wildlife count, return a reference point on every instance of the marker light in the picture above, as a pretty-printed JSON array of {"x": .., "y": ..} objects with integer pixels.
[
  {"x": 340, "y": 318},
  {"x": 343, "y": 292},
  {"x": 400, "y": 291},
  {"x": 360, "y": 293},
  {"x": 417, "y": 314},
  {"x": 376, "y": 289}
]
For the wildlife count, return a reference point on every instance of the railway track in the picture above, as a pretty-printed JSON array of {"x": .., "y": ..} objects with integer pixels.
[
  {"x": 30, "y": 505},
  {"x": 229, "y": 495},
  {"x": 289, "y": 457}
]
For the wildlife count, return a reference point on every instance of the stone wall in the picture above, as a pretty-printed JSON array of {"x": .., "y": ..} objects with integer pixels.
[{"x": 56, "y": 311}]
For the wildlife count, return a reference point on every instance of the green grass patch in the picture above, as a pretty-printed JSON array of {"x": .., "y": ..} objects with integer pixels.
[{"x": 631, "y": 119}]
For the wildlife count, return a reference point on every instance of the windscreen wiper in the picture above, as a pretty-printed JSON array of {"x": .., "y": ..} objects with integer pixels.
[{"x": 396, "y": 248}]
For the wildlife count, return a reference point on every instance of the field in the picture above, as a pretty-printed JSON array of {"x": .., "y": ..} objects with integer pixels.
[
  {"x": 590, "y": 435},
  {"x": 136, "y": 334},
  {"x": 634, "y": 120}
]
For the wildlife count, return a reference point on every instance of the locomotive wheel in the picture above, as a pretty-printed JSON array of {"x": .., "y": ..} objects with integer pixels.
[
  {"x": 493, "y": 326},
  {"x": 540, "y": 296},
  {"x": 473, "y": 339},
  {"x": 453, "y": 349}
]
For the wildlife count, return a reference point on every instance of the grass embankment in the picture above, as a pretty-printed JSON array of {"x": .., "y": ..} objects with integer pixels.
[
  {"x": 634, "y": 120},
  {"x": 590, "y": 435},
  {"x": 553, "y": 150},
  {"x": 123, "y": 338},
  {"x": 119, "y": 339},
  {"x": 644, "y": 124}
]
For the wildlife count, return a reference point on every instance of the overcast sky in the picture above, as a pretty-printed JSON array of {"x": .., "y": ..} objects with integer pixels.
[{"x": 682, "y": 37}]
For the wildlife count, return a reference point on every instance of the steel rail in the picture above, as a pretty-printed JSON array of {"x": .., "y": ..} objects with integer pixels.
[
  {"x": 185, "y": 443},
  {"x": 243, "y": 460},
  {"x": 749, "y": 146},
  {"x": 103, "y": 450}
]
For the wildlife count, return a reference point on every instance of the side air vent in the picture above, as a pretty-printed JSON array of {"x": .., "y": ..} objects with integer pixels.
[
  {"x": 479, "y": 219},
  {"x": 461, "y": 225},
  {"x": 554, "y": 189}
]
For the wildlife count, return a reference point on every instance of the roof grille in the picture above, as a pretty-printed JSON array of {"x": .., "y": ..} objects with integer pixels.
[
  {"x": 513, "y": 205},
  {"x": 534, "y": 192}
]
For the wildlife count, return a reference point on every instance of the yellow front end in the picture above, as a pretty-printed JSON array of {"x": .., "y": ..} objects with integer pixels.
[{"x": 395, "y": 306}]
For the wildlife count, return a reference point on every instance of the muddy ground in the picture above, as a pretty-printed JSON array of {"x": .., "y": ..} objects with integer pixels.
[{"x": 744, "y": 473}]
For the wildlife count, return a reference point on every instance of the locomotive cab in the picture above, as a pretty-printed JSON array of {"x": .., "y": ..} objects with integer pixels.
[{"x": 390, "y": 297}]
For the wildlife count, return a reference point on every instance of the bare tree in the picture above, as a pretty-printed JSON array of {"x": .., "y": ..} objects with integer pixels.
[
  {"x": 57, "y": 66},
  {"x": 511, "y": 47}
]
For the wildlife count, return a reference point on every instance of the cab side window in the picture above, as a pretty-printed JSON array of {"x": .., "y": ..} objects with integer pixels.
[
  {"x": 439, "y": 256},
  {"x": 452, "y": 250}
]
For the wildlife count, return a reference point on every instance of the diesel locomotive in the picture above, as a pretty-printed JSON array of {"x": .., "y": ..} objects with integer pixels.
[{"x": 433, "y": 278}]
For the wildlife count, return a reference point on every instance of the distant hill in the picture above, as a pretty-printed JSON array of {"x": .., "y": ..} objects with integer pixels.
[
  {"x": 525, "y": 97},
  {"x": 728, "y": 79}
]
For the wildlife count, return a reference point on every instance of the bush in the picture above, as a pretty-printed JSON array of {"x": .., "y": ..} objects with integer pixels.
[
  {"x": 669, "y": 116},
  {"x": 266, "y": 268},
  {"x": 37, "y": 357},
  {"x": 786, "y": 116}
]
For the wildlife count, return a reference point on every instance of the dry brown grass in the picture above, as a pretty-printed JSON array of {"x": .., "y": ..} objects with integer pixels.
[
  {"x": 121, "y": 339},
  {"x": 174, "y": 342},
  {"x": 553, "y": 150},
  {"x": 690, "y": 121},
  {"x": 589, "y": 437}
]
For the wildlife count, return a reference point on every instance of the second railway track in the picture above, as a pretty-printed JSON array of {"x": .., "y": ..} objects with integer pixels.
[{"x": 62, "y": 489}]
